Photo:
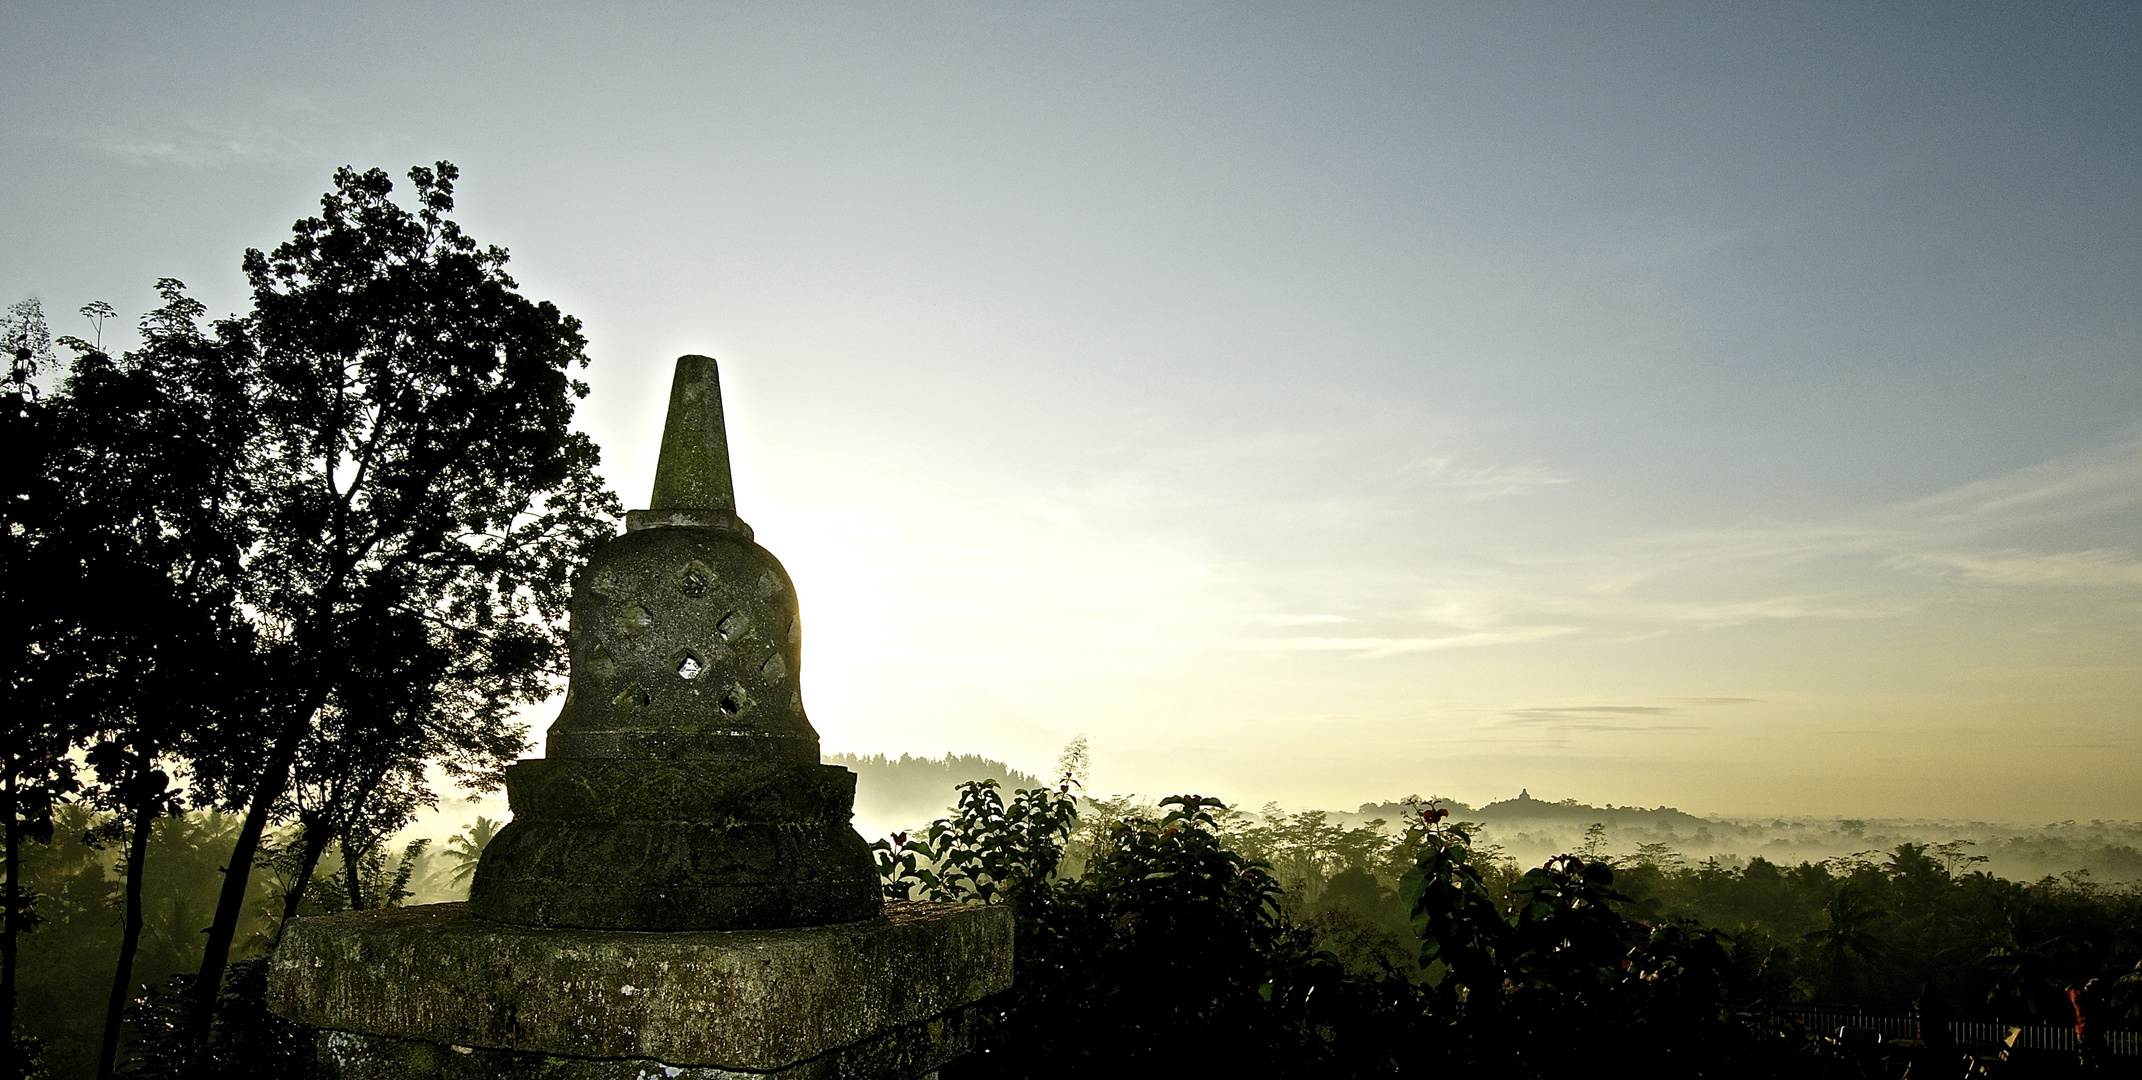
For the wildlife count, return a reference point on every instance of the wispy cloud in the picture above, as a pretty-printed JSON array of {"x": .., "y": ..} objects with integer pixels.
[
  {"x": 2096, "y": 481},
  {"x": 1378, "y": 647},
  {"x": 1968, "y": 532},
  {"x": 1598, "y": 717},
  {"x": 1472, "y": 480},
  {"x": 2097, "y": 567},
  {"x": 1880, "y": 563},
  {"x": 295, "y": 130},
  {"x": 1282, "y": 619}
]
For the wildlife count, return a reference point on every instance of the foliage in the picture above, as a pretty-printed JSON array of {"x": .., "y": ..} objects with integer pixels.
[
  {"x": 397, "y": 500},
  {"x": 69, "y": 961},
  {"x": 308, "y": 553},
  {"x": 1164, "y": 948},
  {"x": 987, "y": 851},
  {"x": 1172, "y": 945},
  {"x": 255, "y": 1044},
  {"x": 79, "y": 875},
  {"x": 1556, "y": 978},
  {"x": 466, "y": 849},
  {"x": 1873, "y": 932},
  {"x": 421, "y": 501},
  {"x": 144, "y": 537},
  {"x": 1305, "y": 850},
  {"x": 35, "y": 735}
]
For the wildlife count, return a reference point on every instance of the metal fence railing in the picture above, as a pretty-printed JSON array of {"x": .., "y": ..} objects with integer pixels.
[{"x": 1897, "y": 1024}]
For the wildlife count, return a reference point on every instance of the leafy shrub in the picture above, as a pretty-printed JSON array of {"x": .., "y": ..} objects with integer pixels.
[
  {"x": 1557, "y": 980},
  {"x": 249, "y": 1042},
  {"x": 1171, "y": 949}
]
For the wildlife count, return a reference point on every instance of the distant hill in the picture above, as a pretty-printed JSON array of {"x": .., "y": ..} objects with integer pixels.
[
  {"x": 1524, "y": 808},
  {"x": 1529, "y": 830},
  {"x": 907, "y": 792}
]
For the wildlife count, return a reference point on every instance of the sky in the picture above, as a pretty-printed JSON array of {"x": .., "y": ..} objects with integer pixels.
[{"x": 1736, "y": 407}]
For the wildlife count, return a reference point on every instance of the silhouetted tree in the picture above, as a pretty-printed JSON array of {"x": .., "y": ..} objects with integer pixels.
[
  {"x": 146, "y": 538},
  {"x": 1852, "y": 941},
  {"x": 466, "y": 849},
  {"x": 34, "y": 739},
  {"x": 418, "y": 500}
]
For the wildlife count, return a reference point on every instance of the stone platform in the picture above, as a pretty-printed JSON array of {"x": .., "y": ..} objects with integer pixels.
[{"x": 436, "y": 992}]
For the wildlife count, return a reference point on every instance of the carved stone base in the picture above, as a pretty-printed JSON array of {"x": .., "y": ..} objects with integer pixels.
[
  {"x": 434, "y": 992},
  {"x": 676, "y": 845}
]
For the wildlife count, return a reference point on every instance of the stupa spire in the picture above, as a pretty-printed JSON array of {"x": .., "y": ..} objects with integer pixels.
[{"x": 693, "y": 471}]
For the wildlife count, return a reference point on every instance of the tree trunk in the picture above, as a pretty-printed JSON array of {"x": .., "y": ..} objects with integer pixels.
[
  {"x": 230, "y": 905},
  {"x": 281, "y": 757},
  {"x": 352, "y": 882},
  {"x": 315, "y": 845},
  {"x": 317, "y": 834},
  {"x": 13, "y": 922},
  {"x": 137, "y": 860}
]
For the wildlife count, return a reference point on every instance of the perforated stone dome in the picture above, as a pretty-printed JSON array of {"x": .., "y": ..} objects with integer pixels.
[
  {"x": 686, "y": 643},
  {"x": 682, "y": 788}
]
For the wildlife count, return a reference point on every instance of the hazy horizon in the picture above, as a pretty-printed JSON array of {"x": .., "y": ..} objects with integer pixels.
[{"x": 1732, "y": 409}]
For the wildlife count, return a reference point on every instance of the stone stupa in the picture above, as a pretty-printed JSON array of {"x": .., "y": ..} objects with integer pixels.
[
  {"x": 682, "y": 790},
  {"x": 680, "y": 892}
]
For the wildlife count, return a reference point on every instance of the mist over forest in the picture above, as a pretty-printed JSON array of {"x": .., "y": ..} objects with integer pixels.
[
  {"x": 76, "y": 876},
  {"x": 906, "y": 792}
]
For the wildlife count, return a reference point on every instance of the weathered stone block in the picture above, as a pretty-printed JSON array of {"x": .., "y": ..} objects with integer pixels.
[
  {"x": 676, "y": 845},
  {"x": 885, "y": 997},
  {"x": 677, "y": 876},
  {"x": 915, "y": 1050},
  {"x": 582, "y": 790}
]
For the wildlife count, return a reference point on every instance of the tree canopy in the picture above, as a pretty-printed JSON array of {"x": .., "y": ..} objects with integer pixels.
[{"x": 310, "y": 551}]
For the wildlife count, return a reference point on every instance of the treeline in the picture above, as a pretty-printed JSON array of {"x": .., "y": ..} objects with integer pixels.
[
  {"x": 1292, "y": 944},
  {"x": 1872, "y": 929},
  {"x": 283, "y": 566},
  {"x": 891, "y": 791},
  {"x": 1530, "y": 829}
]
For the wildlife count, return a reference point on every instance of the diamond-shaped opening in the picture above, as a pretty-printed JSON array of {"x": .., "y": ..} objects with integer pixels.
[
  {"x": 632, "y": 697},
  {"x": 730, "y": 626},
  {"x": 694, "y": 579},
  {"x": 689, "y": 666},
  {"x": 599, "y": 663},
  {"x": 634, "y": 618},
  {"x": 730, "y": 705}
]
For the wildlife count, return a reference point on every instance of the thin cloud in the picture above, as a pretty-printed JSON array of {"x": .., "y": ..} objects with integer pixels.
[
  {"x": 1944, "y": 535},
  {"x": 2108, "y": 478},
  {"x": 1373, "y": 648},
  {"x": 297, "y": 132},
  {"x": 1299, "y": 620},
  {"x": 1586, "y": 710},
  {"x": 2094, "y": 568},
  {"x": 1475, "y": 482},
  {"x": 1595, "y": 717},
  {"x": 197, "y": 145}
]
